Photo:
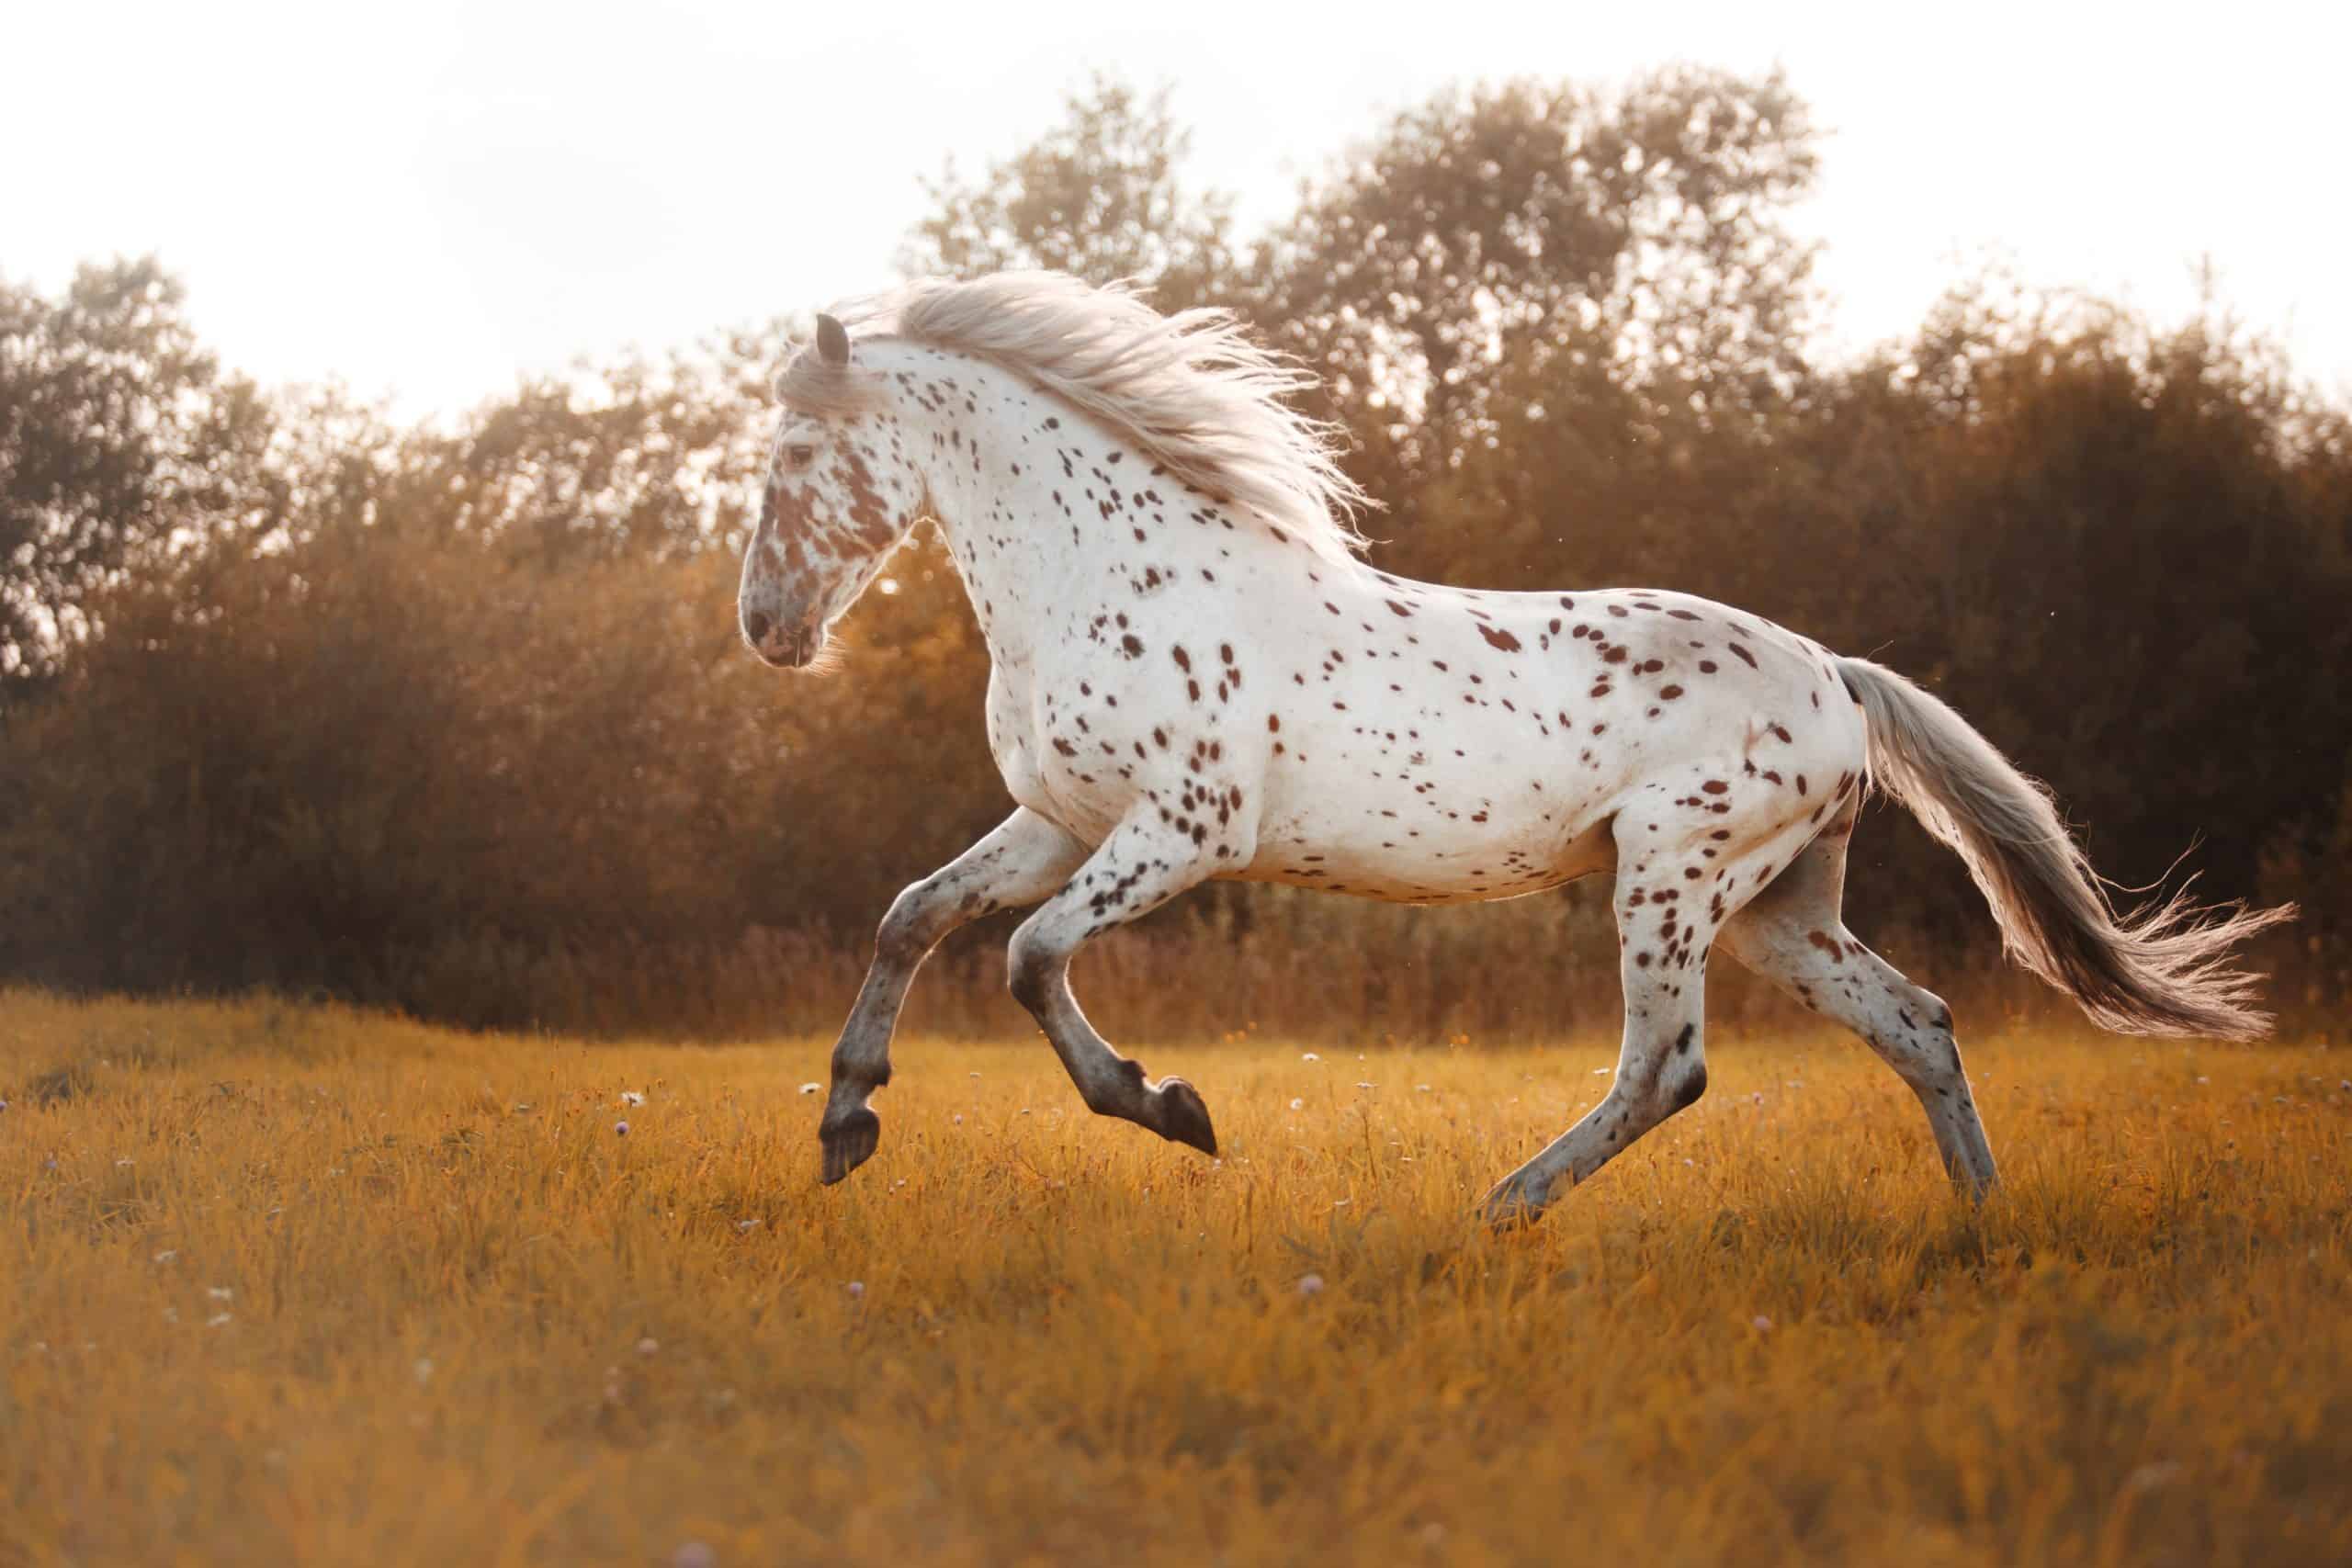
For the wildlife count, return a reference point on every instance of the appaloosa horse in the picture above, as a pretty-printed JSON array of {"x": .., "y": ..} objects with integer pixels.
[{"x": 1194, "y": 676}]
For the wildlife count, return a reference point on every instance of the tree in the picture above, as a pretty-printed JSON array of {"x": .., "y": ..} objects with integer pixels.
[
  {"x": 1639, "y": 234},
  {"x": 120, "y": 442},
  {"x": 1098, "y": 196}
]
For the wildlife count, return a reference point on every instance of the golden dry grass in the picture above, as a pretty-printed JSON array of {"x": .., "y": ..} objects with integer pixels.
[{"x": 302, "y": 1284}]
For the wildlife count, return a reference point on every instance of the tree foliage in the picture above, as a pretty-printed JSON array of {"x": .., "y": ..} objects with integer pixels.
[
  {"x": 1551, "y": 234},
  {"x": 120, "y": 441},
  {"x": 1100, "y": 196}
]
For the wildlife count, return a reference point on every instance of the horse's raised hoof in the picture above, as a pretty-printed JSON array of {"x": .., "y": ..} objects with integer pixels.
[
  {"x": 1184, "y": 1116},
  {"x": 849, "y": 1143}
]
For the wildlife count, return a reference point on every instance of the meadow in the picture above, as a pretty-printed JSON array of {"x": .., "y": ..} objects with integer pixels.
[{"x": 284, "y": 1283}]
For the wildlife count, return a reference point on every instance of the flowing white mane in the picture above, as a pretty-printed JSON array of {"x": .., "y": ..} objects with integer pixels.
[{"x": 1192, "y": 389}]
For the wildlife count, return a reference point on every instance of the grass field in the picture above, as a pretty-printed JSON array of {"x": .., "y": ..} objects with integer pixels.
[{"x": 280, "y": 1283}]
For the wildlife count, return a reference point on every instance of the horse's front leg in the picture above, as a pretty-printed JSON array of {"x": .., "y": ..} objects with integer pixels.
[
  {"x": 1023, "y": 859},
  {"x": 1140, "y": 867}
]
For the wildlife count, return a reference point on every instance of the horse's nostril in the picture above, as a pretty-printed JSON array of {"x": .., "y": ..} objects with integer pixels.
[{"x": 755, "y": 627}]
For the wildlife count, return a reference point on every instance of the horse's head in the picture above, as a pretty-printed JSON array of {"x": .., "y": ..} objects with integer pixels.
[{"x": 840, "y": 496}]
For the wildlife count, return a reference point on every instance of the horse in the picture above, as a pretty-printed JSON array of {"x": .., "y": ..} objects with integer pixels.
[{"x": 1194, "y": 675}]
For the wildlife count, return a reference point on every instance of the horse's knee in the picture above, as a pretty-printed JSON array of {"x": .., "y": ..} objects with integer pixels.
[
  {"x": 908, "y": 931},
  {"x": 1030, "y": 970}
]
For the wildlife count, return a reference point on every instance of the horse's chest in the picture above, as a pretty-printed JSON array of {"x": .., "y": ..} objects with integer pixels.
[
  {"x": 1042, "y": 763},
  {"x": 1013, "y": 733}
]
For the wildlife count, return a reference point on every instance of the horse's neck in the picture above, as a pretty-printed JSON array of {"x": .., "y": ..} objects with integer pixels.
[{"x": 1040, "y": 507}]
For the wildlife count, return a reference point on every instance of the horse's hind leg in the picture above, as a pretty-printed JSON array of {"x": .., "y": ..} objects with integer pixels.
[
  {"x": 1140, "y": 867},
  {"x": 1024, "y": 858},
  {"x": 1664, "y": 930},
  {"x": 1793, "y": 935}
]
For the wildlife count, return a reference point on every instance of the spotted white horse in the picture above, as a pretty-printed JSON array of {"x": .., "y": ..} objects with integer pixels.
[{"x": 1195, "y": 676}]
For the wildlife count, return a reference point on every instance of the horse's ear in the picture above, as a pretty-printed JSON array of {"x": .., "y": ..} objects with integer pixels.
[{"x": 832, "y": 341}]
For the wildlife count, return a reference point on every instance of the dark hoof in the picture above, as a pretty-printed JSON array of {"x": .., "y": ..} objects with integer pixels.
[
  {"x": 1184, "y": 1116},
  {"x": 849, "y": 1143}
]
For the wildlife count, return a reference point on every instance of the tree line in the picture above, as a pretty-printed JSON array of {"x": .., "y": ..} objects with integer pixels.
[{"x": 453, "y": 717}]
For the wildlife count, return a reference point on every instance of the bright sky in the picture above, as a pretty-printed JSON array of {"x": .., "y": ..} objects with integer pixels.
[{"x": 431, "y": 198}]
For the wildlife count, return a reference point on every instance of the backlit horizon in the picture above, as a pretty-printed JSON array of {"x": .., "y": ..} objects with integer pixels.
[{"x": 429, "y": 208}]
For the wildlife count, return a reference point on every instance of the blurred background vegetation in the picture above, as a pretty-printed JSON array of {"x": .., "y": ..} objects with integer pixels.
[{"x": 455, "y": 719}]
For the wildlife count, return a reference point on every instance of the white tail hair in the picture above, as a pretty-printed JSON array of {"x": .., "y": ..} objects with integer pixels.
[{"x": 2166, "y": 968}]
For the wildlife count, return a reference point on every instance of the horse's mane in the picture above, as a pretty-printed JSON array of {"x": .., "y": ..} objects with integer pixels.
[{"x": 1194, "y": 389}]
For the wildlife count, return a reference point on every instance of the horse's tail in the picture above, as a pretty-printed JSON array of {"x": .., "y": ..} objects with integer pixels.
[{"x": 2163, "y": 969}]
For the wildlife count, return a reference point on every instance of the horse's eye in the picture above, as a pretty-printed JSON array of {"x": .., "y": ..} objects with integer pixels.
[{"x": 799, "y": 455}]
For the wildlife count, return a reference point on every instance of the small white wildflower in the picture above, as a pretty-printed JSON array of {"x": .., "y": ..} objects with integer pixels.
[
  {"x": 1310, "y": 1056},
  {"x": 747, "y": 1224},
  {"x": 975, "y": 1075},
  {"x": 1420, "y": 1089},
  {"x": 1310, "y": 1284},
  {"x": 811, "y": 1087},
  {"x": 621, "y": 1128},
  {"x": 125, "y": 1165},
  {"x": 957, "y": 1118},
  {"x": 166, "y": 1255},
  {"x": 1298, "y": 1104},
  {"x": 630, "y": 1096},
  {"x": 523, "y": 1107},
  {"x": 856, "y": 1290},
  {"x": 648, "y": 1346},
  {"x": 1761, "y": 1324},
  {"x": 220, "y": 1292},
  {"x": 216, "y": 1320},
  {"x": 1600, "y": 1072},
  {"x": 1360, "y": 1084}
]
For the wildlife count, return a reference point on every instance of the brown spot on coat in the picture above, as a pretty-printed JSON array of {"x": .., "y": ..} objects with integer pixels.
[{"x": 1501, "y": 640}]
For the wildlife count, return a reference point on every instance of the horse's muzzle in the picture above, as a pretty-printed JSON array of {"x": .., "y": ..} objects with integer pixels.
[{"x": 784, "y": 646}]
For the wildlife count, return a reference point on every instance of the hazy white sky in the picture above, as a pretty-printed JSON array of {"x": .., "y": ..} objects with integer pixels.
[{"x": 427, "y": 199}]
